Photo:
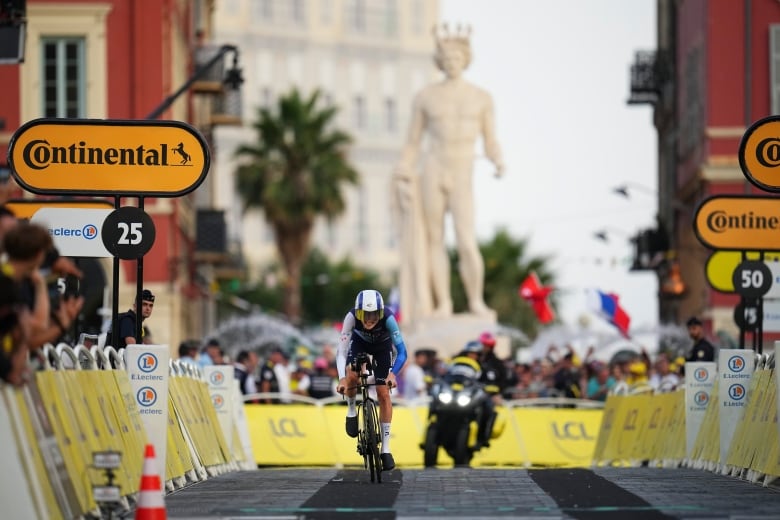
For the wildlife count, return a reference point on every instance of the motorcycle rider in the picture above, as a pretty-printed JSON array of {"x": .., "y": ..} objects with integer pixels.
[
  {"x": 493, "y": 369},
  {"x": 371, "y": 328},
  {"x": 466, "y": 366}
]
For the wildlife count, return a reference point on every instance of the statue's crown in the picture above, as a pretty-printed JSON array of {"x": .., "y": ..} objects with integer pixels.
[{"x": 443, "y": 35}]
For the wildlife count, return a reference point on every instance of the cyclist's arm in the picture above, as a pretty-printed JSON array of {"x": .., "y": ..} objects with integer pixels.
[
  {"x": 343, "y": 349},
  {"x": 400, "y": 346}
]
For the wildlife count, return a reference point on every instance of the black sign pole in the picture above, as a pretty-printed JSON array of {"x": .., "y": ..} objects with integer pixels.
[
  {"x": 115, "y": 292},
  {"x": 758, "y": 341},
  {"x": 139, "y": 275}
]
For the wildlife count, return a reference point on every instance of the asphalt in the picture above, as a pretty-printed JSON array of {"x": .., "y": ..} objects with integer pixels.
[{"x": 582, "y": 494}]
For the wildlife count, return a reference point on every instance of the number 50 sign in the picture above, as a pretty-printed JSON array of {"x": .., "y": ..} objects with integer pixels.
[{"x": 128, "y": 233}]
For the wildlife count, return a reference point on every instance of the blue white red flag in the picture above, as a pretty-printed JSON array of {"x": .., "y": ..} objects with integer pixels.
[
  {"x": 394, "y": 303},
  {"x": 607, "y": 305}
]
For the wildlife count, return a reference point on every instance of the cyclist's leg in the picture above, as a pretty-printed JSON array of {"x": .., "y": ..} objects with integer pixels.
[
  {"x": 383, "y": 359},
  {"x": 351, "y": 422}
]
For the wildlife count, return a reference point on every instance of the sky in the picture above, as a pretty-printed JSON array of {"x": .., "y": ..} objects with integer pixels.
[{"x": 559, "y": 74}]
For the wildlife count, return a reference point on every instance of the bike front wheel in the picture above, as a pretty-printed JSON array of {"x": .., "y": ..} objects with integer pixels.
[{"x": 371, "y": 431}]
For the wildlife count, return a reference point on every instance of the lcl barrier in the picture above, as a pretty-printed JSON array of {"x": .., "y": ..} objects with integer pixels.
[
  {"x": 304, "y": 432},
  {"x": 81, "y": 404},
  {"x": 651, "y": 428}
]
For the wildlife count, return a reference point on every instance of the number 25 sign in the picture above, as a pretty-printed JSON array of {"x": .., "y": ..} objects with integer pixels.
[{"x": 128, "y": 233}]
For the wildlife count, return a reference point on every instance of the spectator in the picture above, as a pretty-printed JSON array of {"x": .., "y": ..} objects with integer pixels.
[
  {"x": 27, "y": 247},
  {"x": 211, "y": 354},
  {"x": 702, "y": 349},
  {"x": 322, "y": 380},
  {"x": 300, "y": 382},
  {"x": 14, "y": 333},
  {"x": 664, "y": 379},
  {"x": 187, "y": 352},
  {"x": 600, "y": 382},
  {"x": 274, "y": 377},
  {"x": 127, "y": 322},
  {"x": 244, "y": 371},
  {"x": 567, "y": 377},
  {"x": 415, "y": 385}
]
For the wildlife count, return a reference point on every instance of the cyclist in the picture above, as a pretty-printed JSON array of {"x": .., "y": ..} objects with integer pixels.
[{"x": 372, "y": 329}]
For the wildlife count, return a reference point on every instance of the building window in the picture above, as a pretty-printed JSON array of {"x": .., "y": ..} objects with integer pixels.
[
  {"x": 326, "y": 11},
  {"x": 357, "y": 15},
  {"x": 63, "y": 77},
  {"x": 362, "y": 231},
  {"x": 418, "y": 16},
  {"x": 391, "y": 18},
  {"x": 266, "y": 97},
  {"x": 359, "y": 109},
  {"x": 774, "y": 67},
  {"x": 390, "y": 116},
  {"x": 266, "y": 8},
  {"x": 298, "y": 14}
]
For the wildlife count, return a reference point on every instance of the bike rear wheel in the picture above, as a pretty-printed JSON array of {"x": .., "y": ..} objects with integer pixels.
[{"x": 371, "y": 430}]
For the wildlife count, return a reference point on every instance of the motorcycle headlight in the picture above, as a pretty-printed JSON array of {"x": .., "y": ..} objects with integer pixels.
[
  {"x": 445, "y": 397},
  {"x": 463, "y": 400}
]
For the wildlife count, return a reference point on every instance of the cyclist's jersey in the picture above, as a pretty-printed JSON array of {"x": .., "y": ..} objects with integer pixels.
[{"x": 378, "y": 342}]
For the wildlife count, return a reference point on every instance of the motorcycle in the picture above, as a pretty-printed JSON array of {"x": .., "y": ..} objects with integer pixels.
[{"x": 453, "y": 420}]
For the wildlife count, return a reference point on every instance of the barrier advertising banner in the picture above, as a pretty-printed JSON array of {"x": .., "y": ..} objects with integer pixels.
[
  {"x": 735, "y": 368},
  {"x": 699, "y": 380},
  {"x": 220, "y": 379},
  {"x": 147, "y": 369}
]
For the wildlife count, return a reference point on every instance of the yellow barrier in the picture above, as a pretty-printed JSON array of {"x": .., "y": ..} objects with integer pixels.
[{"x": 302, "y": 434}]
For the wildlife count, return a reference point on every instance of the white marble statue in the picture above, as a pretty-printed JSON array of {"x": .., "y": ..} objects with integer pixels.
[{"x": 450, "y": 115}]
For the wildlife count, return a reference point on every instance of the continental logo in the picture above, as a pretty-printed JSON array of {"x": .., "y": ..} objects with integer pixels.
[
  {"x": 739, "y": 223},
  {"x": 759, "y": 154},
  {"x": 40, "y": 154},
  {"x": 108, "y": 157}
]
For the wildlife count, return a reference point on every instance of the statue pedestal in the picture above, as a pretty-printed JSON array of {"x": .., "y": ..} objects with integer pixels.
[{"x": 447, "y": 335}]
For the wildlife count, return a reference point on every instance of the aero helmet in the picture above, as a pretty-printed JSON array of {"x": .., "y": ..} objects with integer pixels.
[{"x": 369, "y": 301}]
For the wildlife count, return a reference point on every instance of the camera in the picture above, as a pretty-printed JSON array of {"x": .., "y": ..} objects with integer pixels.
[{"x": 63, "y": 288}]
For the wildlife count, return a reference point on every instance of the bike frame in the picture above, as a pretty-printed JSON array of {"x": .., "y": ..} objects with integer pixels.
[{"x": 368, "y": 418}]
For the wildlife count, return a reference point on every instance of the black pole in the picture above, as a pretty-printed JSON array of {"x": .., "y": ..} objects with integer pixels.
[
  {"x": 115, "y": 295},
  {"x": 195, "y": 77}
]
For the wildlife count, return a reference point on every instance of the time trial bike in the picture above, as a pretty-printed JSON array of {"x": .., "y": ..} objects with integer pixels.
[{"x": 368, "y": 418}]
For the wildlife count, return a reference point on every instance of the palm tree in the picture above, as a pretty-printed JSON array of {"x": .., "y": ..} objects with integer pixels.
[{"x": 294, "y": 172}]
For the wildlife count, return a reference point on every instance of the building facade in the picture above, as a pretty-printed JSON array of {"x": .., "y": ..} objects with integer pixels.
[
  {"x": 715, "y": 72},
  {"x": 119, "y": 59},
  {"x": 369, "y": 58}
]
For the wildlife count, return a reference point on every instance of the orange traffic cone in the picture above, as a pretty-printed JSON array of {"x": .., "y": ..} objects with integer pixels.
[{"x": 151, "y": 505}]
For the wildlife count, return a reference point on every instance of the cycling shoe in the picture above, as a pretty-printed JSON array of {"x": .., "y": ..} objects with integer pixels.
[
  {"x": 352, "y": 426},
  {"x": 387, "y": 461}
]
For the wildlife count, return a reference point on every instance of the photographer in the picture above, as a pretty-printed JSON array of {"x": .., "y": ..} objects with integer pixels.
[{"x": 28, "y": 247}]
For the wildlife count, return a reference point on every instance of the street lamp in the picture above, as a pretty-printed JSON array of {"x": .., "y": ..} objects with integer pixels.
[
  {"x": 625, "y": 189},
  {"x": 232, "y": 79}
]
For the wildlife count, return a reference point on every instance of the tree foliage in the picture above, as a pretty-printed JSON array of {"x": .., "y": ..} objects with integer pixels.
[
  {"x": 294, "y": 172},
  {"x": 506, "y": 266}
]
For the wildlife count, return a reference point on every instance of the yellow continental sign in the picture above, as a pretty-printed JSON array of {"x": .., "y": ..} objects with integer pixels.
[
  {"x": 759, "y": 154},
  {"x": 108, "y": 157},
  {"x": 26, "y": 208},
  {"x": 720, "y": 267},
  {"x": 739, "y": 223}
]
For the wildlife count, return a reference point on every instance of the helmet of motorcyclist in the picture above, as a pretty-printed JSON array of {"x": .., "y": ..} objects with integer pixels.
[
  {"x": 473, "y": 347},
  {"x": 487, "y": 339},
  {"x": 369, "y": 301}
]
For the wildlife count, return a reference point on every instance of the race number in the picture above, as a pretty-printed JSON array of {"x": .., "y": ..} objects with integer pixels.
[
  {"x": 752, "y": 279},
  {"x": 128, "y": 233},
  {"x": 746, "y": 316}
]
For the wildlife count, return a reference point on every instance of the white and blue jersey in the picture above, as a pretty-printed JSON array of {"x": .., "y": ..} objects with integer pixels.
[{"x": 379, "y": 342}]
